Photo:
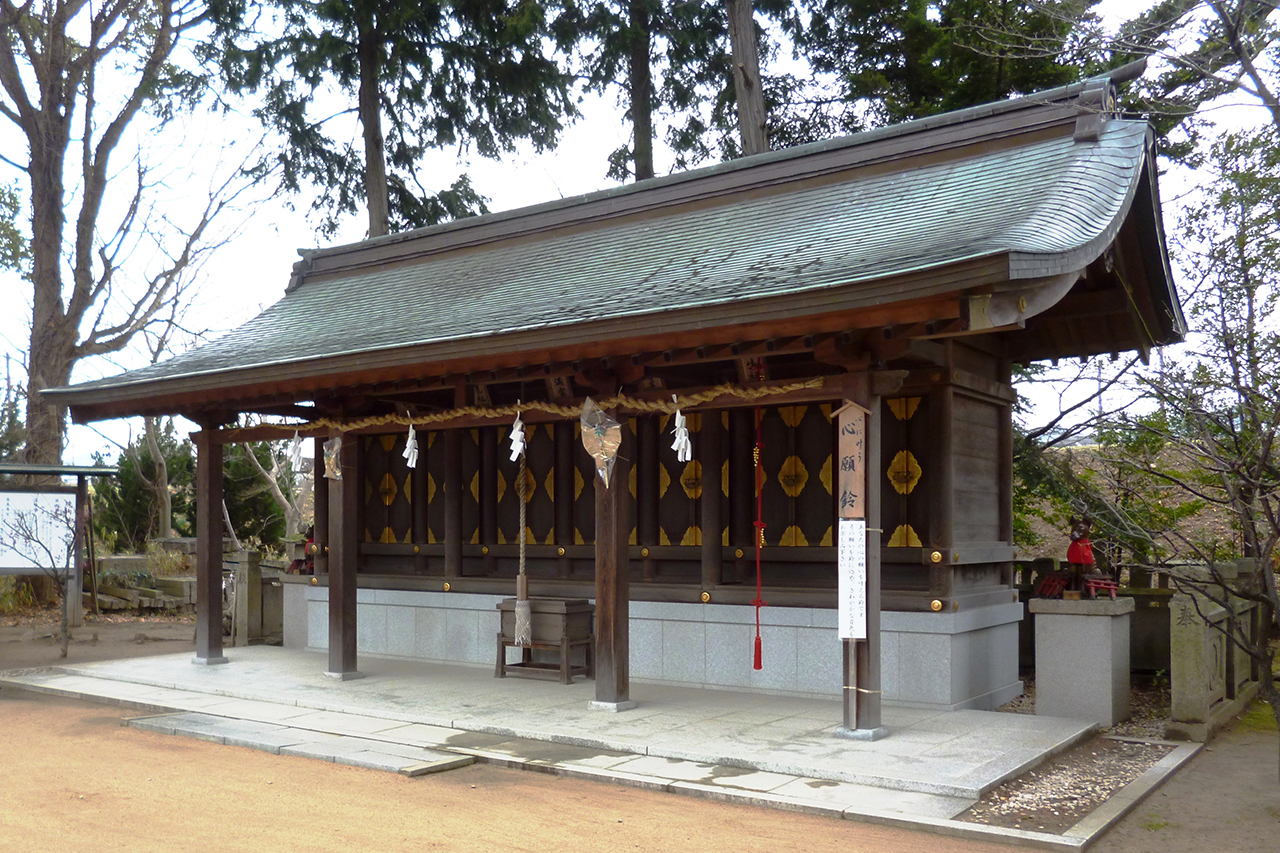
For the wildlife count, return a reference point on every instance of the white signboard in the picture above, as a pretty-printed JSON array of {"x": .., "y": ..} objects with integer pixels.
[
  {"x": 851, "y": 563},
  {"x": 37, "y": 531}
]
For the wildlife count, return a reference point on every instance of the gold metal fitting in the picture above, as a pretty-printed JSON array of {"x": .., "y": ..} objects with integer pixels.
[
  {"x": 706, "y": 597},
  {"x": 935, "y": 557},
  {"x": 560, "y": 551},
  {"x": 935, "y": 605},
  {"x": 738, "y": 553},
  {"x": 644, "y": 552},
  {"x": 310, "y": 548},
  {"x": 315, "y": 581},
  {"x": 484, "y": 549},
  {"x": 416, "y": 549},
  {"x": 446, "y": 586},
  {"x": 955, "y": 556}
]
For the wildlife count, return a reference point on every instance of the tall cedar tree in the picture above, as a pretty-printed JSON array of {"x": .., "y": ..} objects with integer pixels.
[
  {"x": 671, "y": 62},
  {"x": 462, "y": 73},
  {"x": 890, "y": 62}
]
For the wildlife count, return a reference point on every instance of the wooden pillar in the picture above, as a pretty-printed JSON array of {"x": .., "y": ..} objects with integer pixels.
[
  {"x": 868, "y": 652},
  {"x": 421, "y": 531},
  {"x": 563, "y": 433},
  {"x": 613, "y": 686},
  {"x": 647, "y": 491},
  {"x": 862, "y": 681},
  {"x": 208, "y": 547},
  {"x": 1006, "y": 487},
  {"x": 453, "y": 503},
  {"x": 742, "y": 490},
  {"x": 942, "y": 497},
  {"x": 489, "y": 494},
  {"x": 344, "y": 543},
  {"x": 320, "y": 494},
  {"x": 710, "y": 448}
]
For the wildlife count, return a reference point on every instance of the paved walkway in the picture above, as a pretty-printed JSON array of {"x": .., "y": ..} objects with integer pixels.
[{"x": 414, "y": 718}]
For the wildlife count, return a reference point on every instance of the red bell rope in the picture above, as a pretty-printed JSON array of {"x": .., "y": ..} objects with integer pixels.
[{"x": 759, "y": 524}]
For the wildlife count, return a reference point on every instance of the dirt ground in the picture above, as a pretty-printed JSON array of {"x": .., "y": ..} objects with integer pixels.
[
  {"x": 75, "y": 779},
  {"x": 31, "y": 640}
]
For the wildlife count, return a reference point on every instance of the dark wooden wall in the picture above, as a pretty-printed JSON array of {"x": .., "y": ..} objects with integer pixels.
[{"x": 943, "y": 459}]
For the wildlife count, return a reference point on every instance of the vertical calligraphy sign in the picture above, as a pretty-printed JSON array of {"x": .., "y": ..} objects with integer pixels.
[
  {"x": 851, "y": 457},
  {"x": 851, "y": 520}
]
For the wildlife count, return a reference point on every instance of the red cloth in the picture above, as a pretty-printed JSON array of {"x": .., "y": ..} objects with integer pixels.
[{"x": 1080, "y": 552}]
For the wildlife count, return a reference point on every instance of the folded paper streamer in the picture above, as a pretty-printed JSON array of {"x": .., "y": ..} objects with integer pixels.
[
  {"x": 295, "y": 453},
  {"x": 682, "y": 447},
  {"x": 411, "y": 448},
  {"x": 517, "y": 437},
  {"x": 332, "y": 462},
  {"x": 601, "y": 436}
]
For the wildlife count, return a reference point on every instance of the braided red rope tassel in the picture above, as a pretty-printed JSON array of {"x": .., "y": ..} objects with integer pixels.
[{"x": 759, "y": 599}]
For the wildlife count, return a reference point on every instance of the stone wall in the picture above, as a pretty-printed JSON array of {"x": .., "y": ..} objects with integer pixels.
[{"x": 941, "y": 661}]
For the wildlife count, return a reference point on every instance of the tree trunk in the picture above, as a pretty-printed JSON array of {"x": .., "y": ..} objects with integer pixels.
[
  {"x": 746, "y": 77},
  {"x": 640, "y": 86},
  {"x": 375, "y": 170},
  {"x": 53, "y": 337},
  {"x": 49, "y": 366},
  {"x": 160, "y": 482}
]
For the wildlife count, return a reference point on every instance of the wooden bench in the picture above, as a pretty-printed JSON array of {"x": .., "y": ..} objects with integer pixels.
[{"x": 560, "y": 625}]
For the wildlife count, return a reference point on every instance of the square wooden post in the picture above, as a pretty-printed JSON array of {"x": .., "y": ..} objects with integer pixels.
[
  {"x": 320, "y": 531},
  {"x": 452, "y": 503},
  {"x": 74, "y": 598},
  {"x": 613, "y": 588},
  {"x": 208, "y": 547},
  {"x": 453, "y": 489},
  {"x": 344, "y": 497},
  {"x": 564, "y": 471},
  {"x": 868, "y": 652},
  {"x": 862, "y": 682},
  {"x": 647, "y": 467},
  {"x": 711, "y": 447}
]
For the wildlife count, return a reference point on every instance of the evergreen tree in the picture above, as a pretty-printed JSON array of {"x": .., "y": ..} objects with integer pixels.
[
  {"x": 256, "y": 518},
  {"x": 439, "y": 74},
  {"x": 889, "y": 62},
  {"x": 127, "y": 513}
]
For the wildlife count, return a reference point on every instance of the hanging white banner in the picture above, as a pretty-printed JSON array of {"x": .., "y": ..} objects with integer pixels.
[{"x": 851, "y": 563}]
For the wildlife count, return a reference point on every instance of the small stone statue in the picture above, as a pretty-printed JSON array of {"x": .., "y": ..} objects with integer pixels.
[{"x": 1080, "y": 552}]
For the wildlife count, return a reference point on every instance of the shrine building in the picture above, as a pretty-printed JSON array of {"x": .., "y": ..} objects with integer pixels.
[{"x": 906, "y": 269}]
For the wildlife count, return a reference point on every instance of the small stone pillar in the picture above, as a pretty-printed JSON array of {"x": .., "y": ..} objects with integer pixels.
[
  {"x": 248, "y": 605},
  {"x": 1082, "y": 658}
]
